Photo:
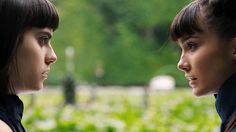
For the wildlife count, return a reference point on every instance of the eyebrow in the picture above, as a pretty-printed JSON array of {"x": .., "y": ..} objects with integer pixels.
[
  {"x": 45, "y": 33},
  {"x": 187, "y": 37}
]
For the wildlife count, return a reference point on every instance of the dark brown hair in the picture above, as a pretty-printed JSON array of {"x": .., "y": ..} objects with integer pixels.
[
  {"x": 16, "y": 17},
  {"x": 219, "y": 15}
]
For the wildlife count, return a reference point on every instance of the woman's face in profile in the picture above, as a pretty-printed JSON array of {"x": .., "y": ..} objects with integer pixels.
[
  {"x": 34, "y": 57},
  {"x": 206, "y": 61}
]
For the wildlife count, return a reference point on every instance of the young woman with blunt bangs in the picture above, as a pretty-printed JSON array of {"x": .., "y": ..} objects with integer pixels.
[
  {"x": 205, "y": 30},
  {"x": 26, "y": 54}
]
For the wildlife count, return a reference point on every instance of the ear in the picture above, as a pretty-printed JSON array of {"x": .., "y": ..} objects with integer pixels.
[{"x": 233, "y": 42}]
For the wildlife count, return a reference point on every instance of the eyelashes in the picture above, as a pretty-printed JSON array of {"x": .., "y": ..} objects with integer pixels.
[
  {"x": 191, "y": 46},
  {"x": 44, "y": 40}
]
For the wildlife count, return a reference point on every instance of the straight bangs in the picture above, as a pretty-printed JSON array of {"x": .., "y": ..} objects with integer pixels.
[
  {"x": 42, "y": 14},
  {"x": 186, "y": 22}
]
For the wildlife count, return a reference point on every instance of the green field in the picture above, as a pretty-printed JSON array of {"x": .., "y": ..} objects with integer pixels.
[{"x": 117, "y": 110}]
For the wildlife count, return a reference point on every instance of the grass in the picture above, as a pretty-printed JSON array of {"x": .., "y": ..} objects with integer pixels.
[{"x": 121, "y": 110}]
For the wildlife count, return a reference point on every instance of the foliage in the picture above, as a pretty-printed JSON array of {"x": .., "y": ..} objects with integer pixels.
[
  {"x": 126, "y": 36},
  {"x": 121, "y": 110}
]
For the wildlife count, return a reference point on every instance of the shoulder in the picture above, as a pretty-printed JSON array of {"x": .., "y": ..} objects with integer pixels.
[
  {"x": 234, "y": 129},
  {"x": 231, "y": 125},
  {"x": 4, "y": 127}
]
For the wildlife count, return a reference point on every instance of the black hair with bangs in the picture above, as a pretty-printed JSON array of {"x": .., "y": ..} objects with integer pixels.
[
  {"x": 16, "y": 17},
  {"x": 41, "y": 14},
  {"x": 219, "y": 15},
  {"x": 186, "y": 22}
]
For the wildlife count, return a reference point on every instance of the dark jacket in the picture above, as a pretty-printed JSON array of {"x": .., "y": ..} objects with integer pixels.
[
  {"x": 226, "y": 101},
  {"x": 11, "y": 109}
]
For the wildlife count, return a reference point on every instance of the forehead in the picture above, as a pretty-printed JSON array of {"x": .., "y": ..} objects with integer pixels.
[
  {"x": 35, "y": 30},
  {"x": 187, "y": 21},
  {"x": 198, "y": 30},
  {"x": 207, "y": 36},
  {"x": 187, "y": 37},
  {"x": 205, "y": 31}
]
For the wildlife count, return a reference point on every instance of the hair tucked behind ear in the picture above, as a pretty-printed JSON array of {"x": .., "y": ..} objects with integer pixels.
[
  {"x": 221, "y": 15},
  {"x": 223, "y": 7}
]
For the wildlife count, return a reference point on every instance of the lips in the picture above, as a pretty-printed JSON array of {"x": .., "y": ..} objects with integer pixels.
[
  {"x": 192, "y": 81},
  {"x": 190, "y": 78},
  {"x": 45, "y": 74}
]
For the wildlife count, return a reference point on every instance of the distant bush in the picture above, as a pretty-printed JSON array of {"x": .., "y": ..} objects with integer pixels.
[{"x": 130, "y": 38}]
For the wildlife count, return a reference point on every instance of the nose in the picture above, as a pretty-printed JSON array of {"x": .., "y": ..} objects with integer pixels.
[
  {"x": 183, "y": 64},
  {"x": 51, "y": 56}
]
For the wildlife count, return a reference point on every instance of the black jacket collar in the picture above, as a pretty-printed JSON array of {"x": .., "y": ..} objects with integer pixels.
[
  {"x": 12, "y": 105},
  {"x": 226, "y": 99}
]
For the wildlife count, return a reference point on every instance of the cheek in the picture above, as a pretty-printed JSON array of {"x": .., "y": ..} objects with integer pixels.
[
  {"x": 212, "y": 69},
  {"x": 212, "y": 59},
  {"x": 203, "y": 62},
  {"x": 30, "y": 61}
]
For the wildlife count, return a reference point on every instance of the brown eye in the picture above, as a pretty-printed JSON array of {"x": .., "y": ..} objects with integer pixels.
[
  {"x": 191, "y": 46},
  {"x": 43, "y": 40}
]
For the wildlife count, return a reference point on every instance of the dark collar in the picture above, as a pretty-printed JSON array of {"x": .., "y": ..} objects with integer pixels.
[
  {"x": 226, "y": 99},
  {"x": 12, "y": 106}
]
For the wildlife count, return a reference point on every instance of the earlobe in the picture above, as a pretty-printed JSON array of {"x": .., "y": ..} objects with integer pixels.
[
  {"x": 234, "y": 51},
  {"x": 234, "y": 48}
]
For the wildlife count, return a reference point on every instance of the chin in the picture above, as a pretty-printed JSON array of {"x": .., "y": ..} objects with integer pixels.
[
  {"x": 38, "y": 88},
  {"x": 198, "y": 93},
  {"x": 35, "y": 88},
  {"x": 29, "y": 88},
  {"x": 202, "y": 93}
]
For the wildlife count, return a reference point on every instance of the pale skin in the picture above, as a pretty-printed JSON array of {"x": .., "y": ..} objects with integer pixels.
[
  {"x": 207, "y": 60},
  {"x": 34, "y": 58},
  {"x": 4, "y": 127}
]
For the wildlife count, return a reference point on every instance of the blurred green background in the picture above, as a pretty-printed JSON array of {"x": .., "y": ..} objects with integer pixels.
[
  {"x": 127, "y": 39},
  {"x": 122, "y": 43},
  {"x": 121, "y": 110}
]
